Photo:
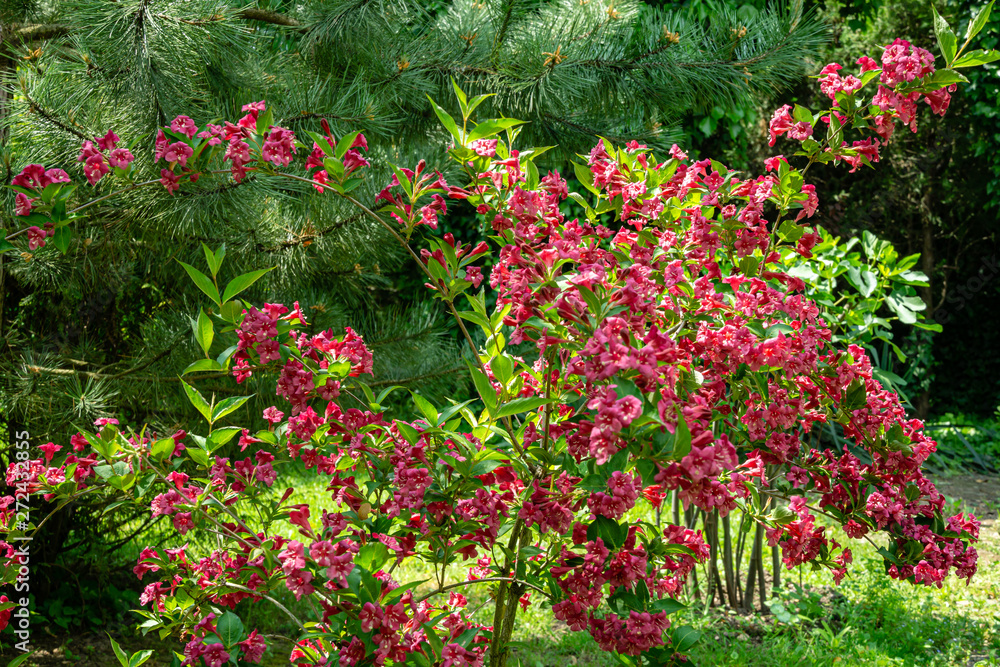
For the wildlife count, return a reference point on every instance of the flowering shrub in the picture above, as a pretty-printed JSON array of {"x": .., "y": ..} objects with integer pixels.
[{"x": 658, "y": 343}]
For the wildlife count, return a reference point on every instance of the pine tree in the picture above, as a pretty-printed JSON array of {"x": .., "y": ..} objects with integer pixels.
[{"x": 105, "y": 328}]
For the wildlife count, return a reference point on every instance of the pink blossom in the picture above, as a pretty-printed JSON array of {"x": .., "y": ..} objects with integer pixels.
[
  {"x": 184, "y": 125},
  {"x": 120, "y": 157},
  {"x": 95, "y": 168},
  {"x": 170, "y": 180},
  {"x": 108, "y": 141},
  {"x": 22, "y": 204}
]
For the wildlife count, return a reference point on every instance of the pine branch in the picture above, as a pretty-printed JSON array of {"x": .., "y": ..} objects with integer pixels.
[
  {"x": 41, "y": 32},
  {"x": 50, "y": 117},
  {"x": 267, "y": 16}
]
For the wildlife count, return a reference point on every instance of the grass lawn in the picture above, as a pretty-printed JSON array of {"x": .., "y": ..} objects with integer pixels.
[{"x": 869, "y": 620}]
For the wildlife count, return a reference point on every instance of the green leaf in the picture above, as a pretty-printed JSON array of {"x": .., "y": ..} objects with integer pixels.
[
  {"x": 435, "y": 642},
  {"x": 119, "y": 653},
  {"x": 203, "y": 365},
  {"x": 198, "y": 401},
  {"x": 221, "y": 436},
  {"x": 945, "y": 37},
  {"x": 519, "y": 405},
  {"x": 485, "y": 389},
  {"x": 459, "y": 93},
  {"x": 916, "y": 278},
  {"x": 980, "y": 20},
  {"x": 682, "y": 438},
  {"x": 490, "y": 127},
  {"x": 941, "y": 79},
  {"x": 199, "y": 456},
  {"x": 372, "y": 556},
  {"x": 447, "y": 121},
  {"x": 856, "y": 396},
  {"x": 240, "y": 283},
  {"x": 214, "y": 259},
  {"x": 669, "y": 605},
  {"x": 163, "y": 448},
  {"x": 608, "y": 530},
  {"x": 974, "y": 58},
  {"x": 204, "y": 332},
  {"x": 322, "y": 142},
  {"x": 5, "y": 246},
  {"x": 472, "y": 316},
  {"x": 586, "y": 177},
  {"x": 265, "y": 121},
  {"x": 802, "y": 115},
  {"x": 344, "y": 144},
  {"x": 139, "y": 658},
  {"x": 425, "y": 407},
  {"x": 61, "y": 239},
  {"x": 229, "y": 406},
  {"x": 864, "y": 281},
  {"x": 203, "y": 282},
  {"x": 685, "y": 637},
  {"x": 230, "y": 630}
]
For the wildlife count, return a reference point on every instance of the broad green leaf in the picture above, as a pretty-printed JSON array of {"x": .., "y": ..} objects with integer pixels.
[
  {"x": 608, "y": 530},
  {"x": 980, "y": 20},
  {"x": 372, "y": 556},
  {"x": 435, "y": 642},
  {"x": 404, "y": 182},
  {"x": 204, "y": 332},
  {"x": 945, "y": 37},
  {"x": 855, "y": 397},
  {"x": 490, "y": 127},
  {"x": 472, "y": 316},
  {"x": 264, "y": 121},
  {"x": 941, "y": 79},
  {"x": 519, "y": 405},
  {"x": 229, "y": 406},
  {"x": 802, "y": 115},
  {"x": 345, "y": 143},
  {"x": 240, "y": 283},
  {"x": 163, "y": 448},
  {"x": 221, "y": 436},
  {"x": 974, "y": 58},
  {"x": 139, "y": 658},
  {"x": 425, "y": 407},
  {"x": 199, "y": 456},
  {"x": 5, "y": 246},
  {"x": 586, "y": 177},
  {"x": 61, "y": 239},
  {"x": 459, "y": 93},
  {"x": 669, "y": 605},
  {"x": 447, "y": 121},
  {"x": 230, "y": 630},
  {"x": 198, "y": 401},
  {"x": 203, "y": 282},
  {"x": 917, "y": 278},
  {"x": 682, "y": 438},
  {"x": 684, "y": 638},
  {"x": 119, "y": 653},
  {"x": 204, "y": 365},
  {"x": 214, "y": 259},
  {"x": 322, "y": 142},
  {"x": 486, "y": 390},
  {"x": 862, "y": 280}
]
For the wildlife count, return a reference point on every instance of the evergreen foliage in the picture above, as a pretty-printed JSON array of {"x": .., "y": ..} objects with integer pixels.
[{"x": 573, "y": 68}]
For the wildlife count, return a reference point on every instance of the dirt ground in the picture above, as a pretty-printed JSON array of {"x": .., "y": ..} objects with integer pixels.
[{"x": 979, "y": 494}]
